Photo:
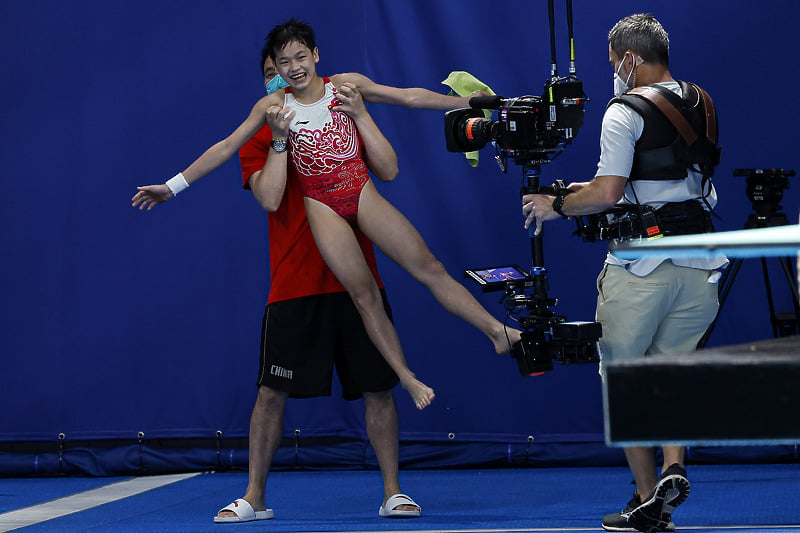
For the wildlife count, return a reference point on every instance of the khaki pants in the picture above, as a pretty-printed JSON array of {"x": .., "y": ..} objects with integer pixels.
[{"x": 666, "y": 311}]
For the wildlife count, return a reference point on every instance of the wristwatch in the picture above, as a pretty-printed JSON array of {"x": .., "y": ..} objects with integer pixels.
[
  {"x": 279, "y": 145},
  {"x": 558, "y": 203}
]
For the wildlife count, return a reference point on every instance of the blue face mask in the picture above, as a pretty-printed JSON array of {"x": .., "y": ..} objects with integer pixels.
[{"x": 275, "y": 84}]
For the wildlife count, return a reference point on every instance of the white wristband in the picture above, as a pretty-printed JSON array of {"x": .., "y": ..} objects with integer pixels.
[{"x": 177, "y": 183}]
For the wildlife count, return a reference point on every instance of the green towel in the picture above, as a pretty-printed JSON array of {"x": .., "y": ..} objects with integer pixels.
[{"x": 463, "y": 83}]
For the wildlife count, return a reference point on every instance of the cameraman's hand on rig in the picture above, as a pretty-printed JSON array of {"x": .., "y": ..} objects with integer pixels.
[{"x": 538, "y": 207}]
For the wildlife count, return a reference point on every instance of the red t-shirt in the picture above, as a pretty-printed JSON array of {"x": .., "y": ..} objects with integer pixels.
[{"x": 296, "y": 267}]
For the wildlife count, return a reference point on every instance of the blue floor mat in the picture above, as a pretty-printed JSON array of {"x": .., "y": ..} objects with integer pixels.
[{"x": 723, "y": 497}]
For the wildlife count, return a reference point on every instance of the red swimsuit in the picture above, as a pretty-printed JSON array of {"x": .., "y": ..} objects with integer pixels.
[{"x": 326, "y": 151}]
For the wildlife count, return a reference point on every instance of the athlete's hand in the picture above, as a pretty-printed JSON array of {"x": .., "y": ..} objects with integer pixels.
[
  {"x": 350, "y": 100},
  {"x": 150, "y": 195},
  {"x": 279, "y": 119}
]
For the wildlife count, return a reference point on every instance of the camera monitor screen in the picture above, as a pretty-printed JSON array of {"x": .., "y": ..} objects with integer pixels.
[{"x": 496, "y": 278}]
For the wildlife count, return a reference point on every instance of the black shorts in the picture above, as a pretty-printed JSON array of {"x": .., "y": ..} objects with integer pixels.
[{"x": 304, "y": 338}]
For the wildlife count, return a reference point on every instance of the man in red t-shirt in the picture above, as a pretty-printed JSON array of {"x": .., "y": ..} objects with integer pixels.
[{"x": 305, "y": 296}]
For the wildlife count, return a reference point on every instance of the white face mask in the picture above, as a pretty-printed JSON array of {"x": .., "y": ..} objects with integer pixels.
[{"x": 620, "y": 85}]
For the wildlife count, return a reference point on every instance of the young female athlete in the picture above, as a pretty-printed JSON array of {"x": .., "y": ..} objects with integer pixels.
[{"x": 324, "y": 137}]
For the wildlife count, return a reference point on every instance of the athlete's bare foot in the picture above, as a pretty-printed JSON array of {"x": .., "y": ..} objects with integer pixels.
[
  {"x": 504, "y": 338},
  {"x": 420, "y": 393}
]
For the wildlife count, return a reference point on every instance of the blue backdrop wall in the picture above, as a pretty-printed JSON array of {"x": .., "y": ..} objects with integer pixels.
[{"x": 116, "y": 322}]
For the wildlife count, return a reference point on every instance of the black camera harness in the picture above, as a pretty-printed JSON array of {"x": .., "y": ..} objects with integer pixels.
[{"x": 680, "y": 133}]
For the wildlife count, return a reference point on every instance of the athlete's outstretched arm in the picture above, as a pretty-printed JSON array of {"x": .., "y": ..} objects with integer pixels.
[
  {"x": 413, "y": 97},
  {"x": 148, "y": 196}
]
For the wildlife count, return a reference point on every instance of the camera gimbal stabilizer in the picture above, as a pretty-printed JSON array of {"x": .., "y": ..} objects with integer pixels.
[
  {"x": 546, "y": 335},
  {"x": 532, "y": 131}
]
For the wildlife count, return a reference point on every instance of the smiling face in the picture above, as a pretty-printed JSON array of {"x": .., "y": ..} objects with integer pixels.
[{"x": 297, "y": 64}]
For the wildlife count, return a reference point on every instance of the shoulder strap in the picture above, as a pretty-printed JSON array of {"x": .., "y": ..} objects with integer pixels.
[
  {"x": 658, "y": 97},
  {"x": 711, "y": 114}
]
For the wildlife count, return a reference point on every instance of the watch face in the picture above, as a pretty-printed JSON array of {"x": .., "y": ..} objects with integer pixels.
[{"x": 278, "y": 145}]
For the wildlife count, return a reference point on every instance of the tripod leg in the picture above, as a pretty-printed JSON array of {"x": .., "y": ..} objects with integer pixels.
[
  {"x": 786, "y": 264},
  {"x": 727, "y": 279},
  {"x": 790, "y": 325},
  {"x": 783, "y": 324},
  {"x": 773, "y": 318},
  {"x": 725, "y": 284}
]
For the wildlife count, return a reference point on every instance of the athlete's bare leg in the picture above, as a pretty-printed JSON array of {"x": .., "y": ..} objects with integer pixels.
[
  {"x": 339, "y": 247},
  {"x": 391, "y": 231}
]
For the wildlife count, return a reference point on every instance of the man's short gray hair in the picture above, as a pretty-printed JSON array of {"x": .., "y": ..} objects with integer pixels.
[{"x": 643, "y": 35}]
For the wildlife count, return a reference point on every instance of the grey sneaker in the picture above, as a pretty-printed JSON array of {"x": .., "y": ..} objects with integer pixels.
[
  {"x": 620, "y": 521},
  {"x": 655, "y": 513}
]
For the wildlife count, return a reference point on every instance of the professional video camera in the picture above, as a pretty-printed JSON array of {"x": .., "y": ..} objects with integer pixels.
[
  {"x": 765, "y": 188},
  {"x": 531, "y": 130}
]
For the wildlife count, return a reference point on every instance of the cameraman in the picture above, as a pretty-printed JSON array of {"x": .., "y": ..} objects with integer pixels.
[{"x": 650, "y": 305}]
